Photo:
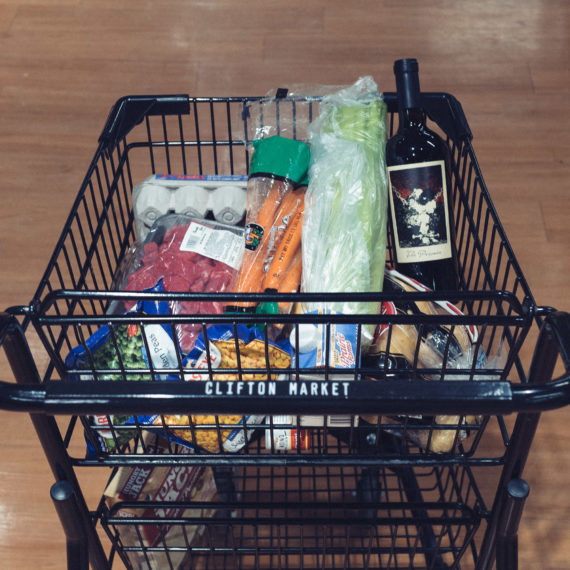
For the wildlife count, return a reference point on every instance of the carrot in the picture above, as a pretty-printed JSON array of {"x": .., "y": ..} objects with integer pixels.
[
  {"x": 283, "y": 216},
  {"x": 266, "y": 213},
  {"x": 289, "y": 243},
  {"x": 291, "y": 279},
  {"x": 252, "y": 271},
  {"x": 248, "y": 275}
]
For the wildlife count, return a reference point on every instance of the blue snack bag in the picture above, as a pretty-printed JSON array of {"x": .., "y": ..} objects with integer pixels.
[{"x": 117, "y": 353}]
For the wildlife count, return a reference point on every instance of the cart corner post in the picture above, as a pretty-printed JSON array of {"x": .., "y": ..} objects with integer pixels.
[
  {"x": 69, "y": 512},
  {"x": 507, "y": 538},
  {"x": 129, "y": 111},
  {"x": 21, "y": 361},
  {"x": 553, "y": 341}
]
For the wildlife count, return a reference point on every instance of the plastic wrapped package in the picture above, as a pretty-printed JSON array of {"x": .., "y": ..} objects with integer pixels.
[
  {"x": 187, "y": 255},
  {"x": 434, "y": 347},
  {"x": 179, "y": 255},
  {"x": 427, "y": 350},
  {"x": 169, "y": 486},
  {"x": 224, "y": 351},
  {"x": 286, "y": 111},
  {"x": 344, "y": 229},
  {"x": 275, "y": 205}
]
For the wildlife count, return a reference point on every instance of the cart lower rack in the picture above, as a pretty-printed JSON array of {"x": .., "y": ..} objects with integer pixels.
[{"x": 261, "y": 464}]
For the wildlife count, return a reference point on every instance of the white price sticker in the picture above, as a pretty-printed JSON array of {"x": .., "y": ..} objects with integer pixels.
[{"x": 218, "y": 244}]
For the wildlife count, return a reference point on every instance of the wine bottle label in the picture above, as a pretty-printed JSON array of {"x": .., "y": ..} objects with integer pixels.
[{"x": 420, "y": 213}]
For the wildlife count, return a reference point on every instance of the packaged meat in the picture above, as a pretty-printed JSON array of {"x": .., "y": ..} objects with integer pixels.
[
  {"x": 189, "y": 255},
  {"x": 180, "y": 254}
]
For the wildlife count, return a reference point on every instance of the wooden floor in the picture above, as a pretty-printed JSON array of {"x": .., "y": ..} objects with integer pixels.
[{"x": 64, "y": 62}]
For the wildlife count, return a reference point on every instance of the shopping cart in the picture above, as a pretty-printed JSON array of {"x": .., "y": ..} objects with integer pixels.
[{"x": 365, "y": 486}]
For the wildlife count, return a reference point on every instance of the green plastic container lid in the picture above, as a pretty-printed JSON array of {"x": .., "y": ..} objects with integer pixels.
[{"x": 281, "y": 157}]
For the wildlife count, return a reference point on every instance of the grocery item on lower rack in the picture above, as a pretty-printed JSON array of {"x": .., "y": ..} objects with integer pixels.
[
  {"x": 426, "y": 351},
  {"x": 173, "y": 489},
  {"x": 219, "y": 196}
]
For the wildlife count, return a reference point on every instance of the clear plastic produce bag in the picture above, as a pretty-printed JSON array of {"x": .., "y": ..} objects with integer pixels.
[{"x": 344, "y": 229}]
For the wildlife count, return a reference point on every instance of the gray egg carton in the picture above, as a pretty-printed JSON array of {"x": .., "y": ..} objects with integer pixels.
[{"x": 222, "y": 197}]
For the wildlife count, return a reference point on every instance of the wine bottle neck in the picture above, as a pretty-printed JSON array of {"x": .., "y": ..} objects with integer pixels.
[
  {"x": 410, "y": 118},
  {"x": 408, "y": 89}
]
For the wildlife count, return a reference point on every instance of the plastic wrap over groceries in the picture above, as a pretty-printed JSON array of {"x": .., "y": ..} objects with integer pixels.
[
  {"x": 344, "y": 228},
  {"x": 189, "y": 255},
  {"x": 275, "y": 207},
  {"x": 400, "y": 351}
]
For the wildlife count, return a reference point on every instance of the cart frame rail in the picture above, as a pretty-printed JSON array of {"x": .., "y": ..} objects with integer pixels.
[{"x": 72, "y": 298}]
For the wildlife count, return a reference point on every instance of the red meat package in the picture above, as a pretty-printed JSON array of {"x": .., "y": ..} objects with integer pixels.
[{"x": 182, "y": 254}]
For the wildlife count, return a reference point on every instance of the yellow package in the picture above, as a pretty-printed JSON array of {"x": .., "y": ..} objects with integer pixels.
[{"x": 256, "y": 355}]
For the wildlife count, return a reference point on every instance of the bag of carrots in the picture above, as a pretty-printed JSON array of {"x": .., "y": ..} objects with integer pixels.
[{"x": 275, "y": 200}]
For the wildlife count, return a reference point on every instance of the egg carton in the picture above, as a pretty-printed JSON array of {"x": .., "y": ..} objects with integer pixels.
[{"x": 222, "y": 197}]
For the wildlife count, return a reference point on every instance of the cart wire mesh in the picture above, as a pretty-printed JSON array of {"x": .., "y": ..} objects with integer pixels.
[{"x": 359, "y": 484}]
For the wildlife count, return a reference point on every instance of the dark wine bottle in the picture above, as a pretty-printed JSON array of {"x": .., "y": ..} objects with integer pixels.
[{"x": 420, "y": 202}]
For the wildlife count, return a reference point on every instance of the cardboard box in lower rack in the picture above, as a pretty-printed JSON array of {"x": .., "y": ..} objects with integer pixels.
[{"x": 159, "y": 544}]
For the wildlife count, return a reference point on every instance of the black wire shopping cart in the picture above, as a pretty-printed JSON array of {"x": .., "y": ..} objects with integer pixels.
[{"x": 364, "y": 484}]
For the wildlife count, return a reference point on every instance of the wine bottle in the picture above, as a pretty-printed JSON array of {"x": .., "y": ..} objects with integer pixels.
[{"x": 419, "y": 179}]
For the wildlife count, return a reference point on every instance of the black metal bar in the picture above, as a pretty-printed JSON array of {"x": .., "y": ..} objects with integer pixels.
[
  {"x": 282, "y": 460},
  {"x": 249, "y": 397},
  {"x": 25, "y": 371},
  {"x": 129, "y": 111},
  {"x": 388, "y": 396},
  {"x": 303, "y": 396},
  {"x": 521, "y": 315},
  {"x": 553, "y": 340},
  {"x": 424, "y": 524},
  {"x": 507, "y": 536},
  {"x": 69, "y": 512}
]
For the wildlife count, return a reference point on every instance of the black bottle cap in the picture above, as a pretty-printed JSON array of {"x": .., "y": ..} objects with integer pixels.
[
  {"x": 406, "y": 65},
  {"x": 407, "y": 83}
]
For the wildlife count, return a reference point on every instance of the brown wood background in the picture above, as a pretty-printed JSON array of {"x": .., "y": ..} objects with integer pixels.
[{"x": 64, "y": 62}]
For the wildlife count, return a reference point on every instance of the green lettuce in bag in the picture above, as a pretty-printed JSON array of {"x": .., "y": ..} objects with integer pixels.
[{"x": 344, "y": 227}]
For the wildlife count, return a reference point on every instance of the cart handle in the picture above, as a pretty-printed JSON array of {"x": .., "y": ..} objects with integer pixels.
[
  {"x": 304, "y": 396},
  {"x": 129, "y": 111}
]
